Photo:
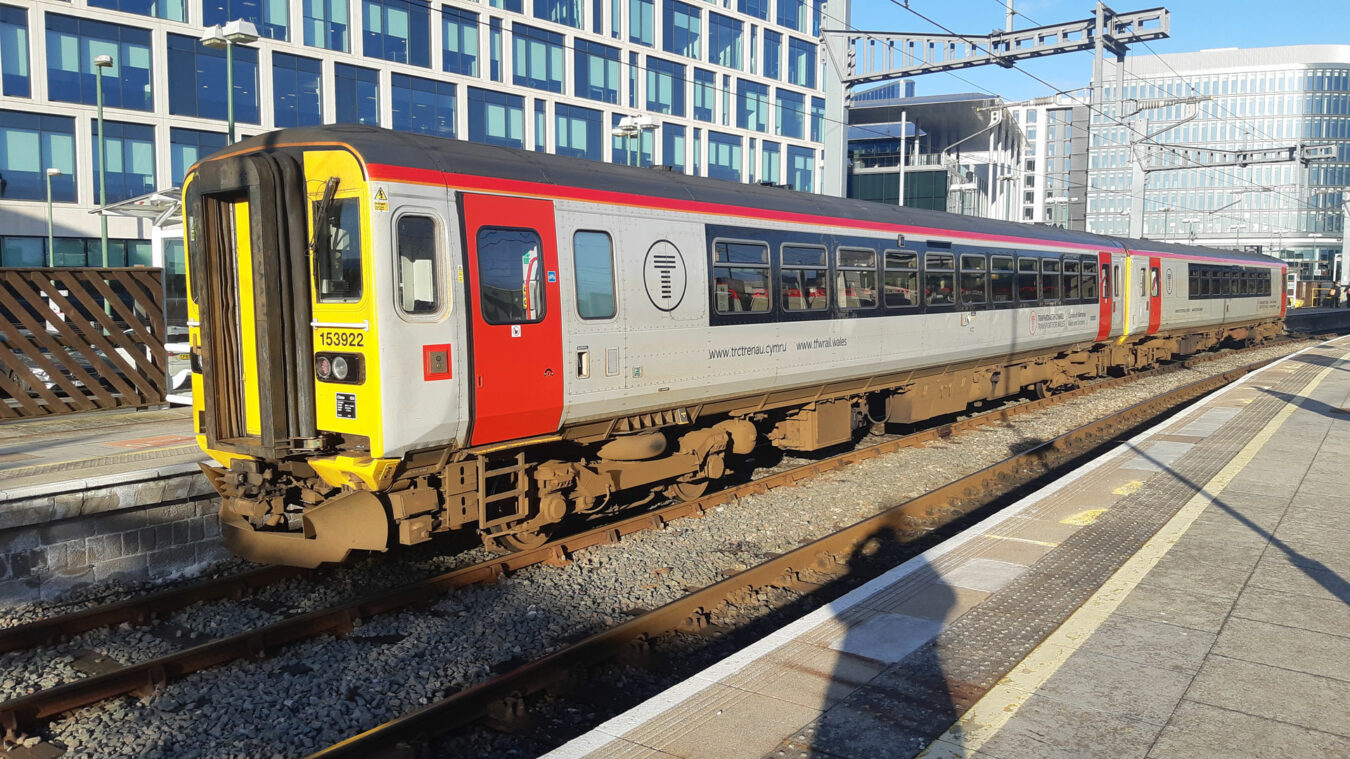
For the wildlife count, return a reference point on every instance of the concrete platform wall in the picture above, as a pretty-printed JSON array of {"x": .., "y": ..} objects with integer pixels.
[{"x": 136, "y": 526}]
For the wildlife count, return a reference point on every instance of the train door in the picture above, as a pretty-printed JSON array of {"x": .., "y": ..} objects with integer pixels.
[
  {"x": 1108, "y": 314},
  {"x": 1154, "y": 294},
  {"x": 1136, "y": 297},
  {"x": 516, "y": 323}
]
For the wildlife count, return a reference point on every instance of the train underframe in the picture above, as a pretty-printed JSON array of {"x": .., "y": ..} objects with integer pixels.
[{"x": 293, "y": 512}]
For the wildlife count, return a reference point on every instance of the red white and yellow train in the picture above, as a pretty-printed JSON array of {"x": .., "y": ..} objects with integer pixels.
[{"x": 400, "y": 335}]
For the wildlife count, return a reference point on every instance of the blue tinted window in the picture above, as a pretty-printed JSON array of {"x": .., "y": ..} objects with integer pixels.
[
  {"x": 357, "y": 92},
  {"x": 724, "y": 41},
  {"x": 14, "y": 52},
  {"x": 817, "y": 119},
  {"x": 270, "y": 16},
  {"x": 773, "y": 53},
  {"x": 672, "y": 146},
  {"x": 791, "y": 114},
  {"x": 801, "y": 168},
  {"x": 724, "y": 156},
  {"x": 31, "y": 143},
  {"x": 325, "y": 23},
  {"x": 188, "y": 146},
  {"x": 131, "y": 159},
  {"x": 538, "y": 58},
  {"x": 705, "y": 94},
  {"x": 792, "y": 14},
  {"x": 752, "y": 105},
  {"x": 665, "y": 87},
  {"x": 597, "y": 71},
  {"x": 801, "y": 62},
  {"x": 422, "y": 105},
  {"x": 297, "y": 96},
  {"x": 540, "y": 125},
  {"x": 460, "y": 41},
  {"x": 756, "y": 8},
  {"x": 495, "y": 49},
  {"x": 172, "y": 10},
  {"x": 641, "y": 18},
  {"x": 681, "y": 29},
  {"x": 769, "y": 156},
  {"x": 580, "y": 131},
  {"x": 72, "y": 45},
  {"x": 197, "y": 80},
  {"x": 515, "y": 6},
  {"x": 559, "y": 11},
  {"x": 496, "y": 118},
  {"x": 398, "y": 30}
]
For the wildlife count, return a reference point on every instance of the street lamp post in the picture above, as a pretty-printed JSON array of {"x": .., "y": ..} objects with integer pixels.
[
  {"x": 102, "y": 62},
  {"x": 51, "y": 240},
  {"x": 236, "y": 32},
  {"x": 1190, "y": 227},
  {"x": 1237, "y": 235},
  {"x": 630, "y": 127}
]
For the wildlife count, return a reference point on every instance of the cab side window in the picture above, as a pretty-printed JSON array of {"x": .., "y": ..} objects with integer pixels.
[
  {"x": 418, "y": 282},
  {"x": 339, "y": 270},
  {"x": 593, "y": 259}
]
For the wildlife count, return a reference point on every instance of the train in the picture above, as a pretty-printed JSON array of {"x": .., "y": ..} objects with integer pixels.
[{"x": 396, "y": 335}]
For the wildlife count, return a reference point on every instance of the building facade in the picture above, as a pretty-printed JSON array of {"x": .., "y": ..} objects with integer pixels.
[
  {"x": 1054, "y": 177},
  {"x": 1258, "y": 98},
  {"x": 736, "y": 89}
]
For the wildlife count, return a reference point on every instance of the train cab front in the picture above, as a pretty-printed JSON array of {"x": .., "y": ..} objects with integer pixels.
[{"x": 287, "y": 396}]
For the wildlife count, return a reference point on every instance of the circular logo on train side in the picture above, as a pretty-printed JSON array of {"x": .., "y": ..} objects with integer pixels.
[{"x": 664, "y": 275}]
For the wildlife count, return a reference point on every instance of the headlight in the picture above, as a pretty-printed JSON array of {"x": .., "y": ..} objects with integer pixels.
[
  {"x": 340, "y": 368},
  {"x": 323, "y": 367},
  {"x": 346, "y": 368}
]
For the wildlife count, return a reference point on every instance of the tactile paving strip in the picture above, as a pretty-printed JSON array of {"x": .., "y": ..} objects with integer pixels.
[{"x": 915, "y": 700}]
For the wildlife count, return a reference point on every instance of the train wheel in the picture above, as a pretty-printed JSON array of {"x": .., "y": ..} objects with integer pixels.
[
  {"x": 516, "y": 542},
  {"x": 687, "y": 491}
]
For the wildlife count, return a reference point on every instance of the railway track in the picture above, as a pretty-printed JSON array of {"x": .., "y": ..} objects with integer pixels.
[{"x": 27, "y": 713}]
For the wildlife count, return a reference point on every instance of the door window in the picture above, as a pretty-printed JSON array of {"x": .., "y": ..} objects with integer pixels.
[{"x": 510, "y": 276}]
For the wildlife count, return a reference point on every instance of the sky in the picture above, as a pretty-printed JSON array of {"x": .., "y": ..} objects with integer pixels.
[{"x": 1195, "y": 25}]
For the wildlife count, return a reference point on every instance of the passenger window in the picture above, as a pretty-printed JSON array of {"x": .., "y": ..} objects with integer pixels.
[
  {"x": 339, "y": 272},
  {"x": 1001, "y": 279},
  {"x": 1050, "y": 281},
  {"x": 418, "y": 283},
  {"x": 857, "y": 277},
  {"x": 939, "y": 274},
  {"x": 1072, "y": 284},
  {"x": 593, "y": 260},
  {"x": 510, "y": 276},
  {"x": 902, "y": 278},
  {"x": 973, "y": 280},
  {"x": 804, "y": 274},
  {"x": 1089, "y": 279},
  {"x": 741, "y": 277},
  {"x": 1028, "y": 280}
]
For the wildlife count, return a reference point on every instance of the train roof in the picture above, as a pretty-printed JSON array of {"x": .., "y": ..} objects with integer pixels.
[{"x": 405, "y": 149}]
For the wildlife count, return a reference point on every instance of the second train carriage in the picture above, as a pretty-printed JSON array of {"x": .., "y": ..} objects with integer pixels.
[{"x": 400, "y": 335}]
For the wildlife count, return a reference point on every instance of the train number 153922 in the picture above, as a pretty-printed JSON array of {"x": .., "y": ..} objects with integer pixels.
[{"x": 342, "y": 339}]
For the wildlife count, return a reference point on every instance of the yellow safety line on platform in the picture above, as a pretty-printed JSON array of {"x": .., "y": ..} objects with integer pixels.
[{"x": 983, "y": 720}]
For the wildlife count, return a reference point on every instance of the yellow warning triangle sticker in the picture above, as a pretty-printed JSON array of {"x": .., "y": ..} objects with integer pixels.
[{"x": 379, "y": 194}]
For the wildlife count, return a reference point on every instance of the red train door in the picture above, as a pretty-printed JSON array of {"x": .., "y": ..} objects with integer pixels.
[
  {"x": 1154, "y": 294},
  {"x": 516, "y": 322}
]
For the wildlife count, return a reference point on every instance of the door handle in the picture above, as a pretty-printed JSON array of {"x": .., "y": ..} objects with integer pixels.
[{"x": 583, "y": 363}]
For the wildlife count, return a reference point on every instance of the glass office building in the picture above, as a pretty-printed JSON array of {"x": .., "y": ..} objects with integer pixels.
[
  {"x": 735, "y": 89},
  {"x": 1052, "y": 188},
  {"x": 1259, "y": 98}
]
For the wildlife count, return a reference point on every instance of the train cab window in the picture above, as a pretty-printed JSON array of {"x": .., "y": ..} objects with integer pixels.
[
  {"x": 338, "y": 271},
  {"x": 804, "y": 274},
  {"x": 741, "y": 277},
  {"x": 857, "y": 285},
  {"x": 418, "y": 284},
  {"x": 939, "y": 274},
  {"x": 1001, "y": 279},
  {"x": 901, "y": 278},
  {"x": 510, "y": 276},
  {"x": 1028, "y": 280},
  {"x": 1073, "y": 283},
  {"x": 1089, "y": 278},
  {"x": 1153, "y": 281},
  {"x": 593, "y": 262},
  {"x": 1050, "y": 279},
  {"x": 974, "y": 280}
]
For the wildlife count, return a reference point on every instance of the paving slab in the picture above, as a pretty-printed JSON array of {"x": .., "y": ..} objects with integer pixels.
[
  {"x": 1297, "y": 698},
  {"x": 1201, "y": 731}
]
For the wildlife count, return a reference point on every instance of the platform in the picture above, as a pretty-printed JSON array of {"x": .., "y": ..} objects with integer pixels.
[{"x": 1184, "y": 595}]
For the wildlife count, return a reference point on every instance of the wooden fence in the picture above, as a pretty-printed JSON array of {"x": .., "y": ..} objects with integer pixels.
[{"x": 80, "y": 339}]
